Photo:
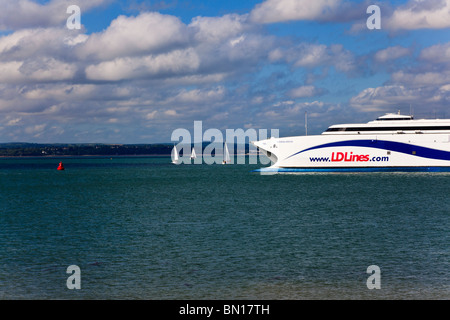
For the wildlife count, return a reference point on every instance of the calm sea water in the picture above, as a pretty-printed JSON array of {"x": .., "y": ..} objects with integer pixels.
[{"x": 142, "y": 228}]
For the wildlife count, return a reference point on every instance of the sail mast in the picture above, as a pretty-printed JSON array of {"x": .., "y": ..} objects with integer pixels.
[{"x": 306, "y": 123}]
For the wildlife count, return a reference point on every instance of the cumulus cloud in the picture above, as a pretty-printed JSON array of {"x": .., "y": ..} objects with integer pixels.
[
  {"x": 171, "y": 113},
  {"x": 422, "y": 84},
  {"x": 38, "y": 55},
  {"x": 218, "y": 29},
  {"x": 139, "y": 69},
  {"x": 36, "y": 129},
  {"x": 199, "y": 96},
  {"x": 147, "y": 45},
  {"x": 415, "y": 14},
  {"x": 149, "y": 32},
  {"x": 308, "y": 55},
  {"x": 13, "y": 122},
  {"x": 167, "y": 64},
  {"x": 391, "y": 53},
  {"x": 383, "y": 98},
  {"x": 39, "y": 70},
  {"x": 26, "y": 43},
  {"x": 391, "y": 98},
  {"x": 30, "y": 14},
  {"x": 292, "y": 112},
  {"x": 156, "y": 45},
  {"x": 420, "y": 14},
  {"x": 439, "y": 53},
  {"x": 62, "y": 92},
  {"x": 420, "y": 79},
  {"x": 289, "y": 116},
  {"x": 272, "y": 11},
  {"x": 305, "y": 92}
]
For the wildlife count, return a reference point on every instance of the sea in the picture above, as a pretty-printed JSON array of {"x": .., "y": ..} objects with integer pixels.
[{"x": 142, "y": 228}]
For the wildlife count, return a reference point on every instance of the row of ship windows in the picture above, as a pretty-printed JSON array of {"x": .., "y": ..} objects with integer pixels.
[
  {"x": 427, "y": 128},
  {"x": 396, "y": 119}
]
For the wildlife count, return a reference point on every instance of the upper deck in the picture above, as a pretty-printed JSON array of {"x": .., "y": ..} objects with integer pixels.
[{"x": 393, "y": 124}]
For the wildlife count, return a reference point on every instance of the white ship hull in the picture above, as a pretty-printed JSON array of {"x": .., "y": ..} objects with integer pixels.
[{"x": 359, "y": 152}]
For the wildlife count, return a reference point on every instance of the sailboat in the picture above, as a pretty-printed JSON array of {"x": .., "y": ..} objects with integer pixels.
[
  {"x": 193, "y": 155},
  {"x": 226, "y": 154},
  {"x": 175, "y": 155}
]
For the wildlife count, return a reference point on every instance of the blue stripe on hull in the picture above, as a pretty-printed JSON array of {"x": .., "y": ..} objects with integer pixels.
[
  {"x": 355, "y": 169},
  {"x": 386, "y": 145}
]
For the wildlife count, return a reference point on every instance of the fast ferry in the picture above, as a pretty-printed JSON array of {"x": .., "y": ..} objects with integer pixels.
[{"x": 392, "y": 142}]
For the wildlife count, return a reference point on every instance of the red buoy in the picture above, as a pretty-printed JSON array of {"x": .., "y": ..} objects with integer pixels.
[{"x": 61, "y": 166}]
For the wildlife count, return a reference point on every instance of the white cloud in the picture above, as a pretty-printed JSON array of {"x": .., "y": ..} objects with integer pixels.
[
  {"x": 420, "y": 14},
  {"x": 383, "y": 98},
  {"x": 422, "y": 85},
  {"x": 284, "y": 103},
  {"x": 30, "y": 14},
  {"x": 218, "y": 29},
  {"x": 391, "y": 53},
  {"x": 312, "y": 56},
  {"x": 199, "y": 96},
  {"x": 420, "y": 79},
  {"x": 236, "y": 41},
  {"x": 151, "y": 115},
  {"x": 304, "y": 92},
  {"x": 13, "y": 122},
  {"x": 62, "y": 92},
  {"x": 276, "y": 55},
  {"x": 197, "y": 79},
  {"x": 156, "y": 45},
  {"x": 169, "y": 64},
  {"x": 40, "y": 70},
  {"x": 309, "y": 55},
  {"x": 149, "y": 32},
  {"x": 393, "y": 97},
  {"x": 171, "y": 113},
  {"x": 439, "y": 53},
  {"x": 32, "y": 43},
  {"x": 272, "y": 11},
  {"x": 219, "y": 116},
  {"x": 35, "y": 129}
]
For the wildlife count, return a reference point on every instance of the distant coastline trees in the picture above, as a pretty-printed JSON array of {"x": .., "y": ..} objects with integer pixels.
[{"x": 40, "y": 150}]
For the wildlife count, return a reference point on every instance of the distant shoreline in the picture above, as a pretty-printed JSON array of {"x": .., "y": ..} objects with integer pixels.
[
  {"x": 90, "y": 155},
  {"x": 109, "y": 156},
  {"x": 15, "y": 150},
  {"x": 41, "y": 150}
]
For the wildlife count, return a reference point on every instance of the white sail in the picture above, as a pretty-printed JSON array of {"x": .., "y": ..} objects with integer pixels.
[
  {"x": 193, "y": 155},
  {"x": 226, "y": 154},
  {"x": 175, "y": 155}
]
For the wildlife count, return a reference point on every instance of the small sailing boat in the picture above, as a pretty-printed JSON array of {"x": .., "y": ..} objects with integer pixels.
[
  {"x": 226, "y": 154},
  {"x": 193, "y": 154},
  {"x": 175, "y": 157}
]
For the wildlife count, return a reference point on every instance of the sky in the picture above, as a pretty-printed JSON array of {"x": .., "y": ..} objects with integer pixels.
[{"x": 137, "y": 70}]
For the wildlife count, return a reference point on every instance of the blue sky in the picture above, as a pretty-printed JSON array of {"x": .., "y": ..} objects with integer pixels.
[{"x": 137, "y": 70}]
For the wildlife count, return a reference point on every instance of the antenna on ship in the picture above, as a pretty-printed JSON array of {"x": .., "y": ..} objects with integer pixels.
[{"x": 306, "y": 123}]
